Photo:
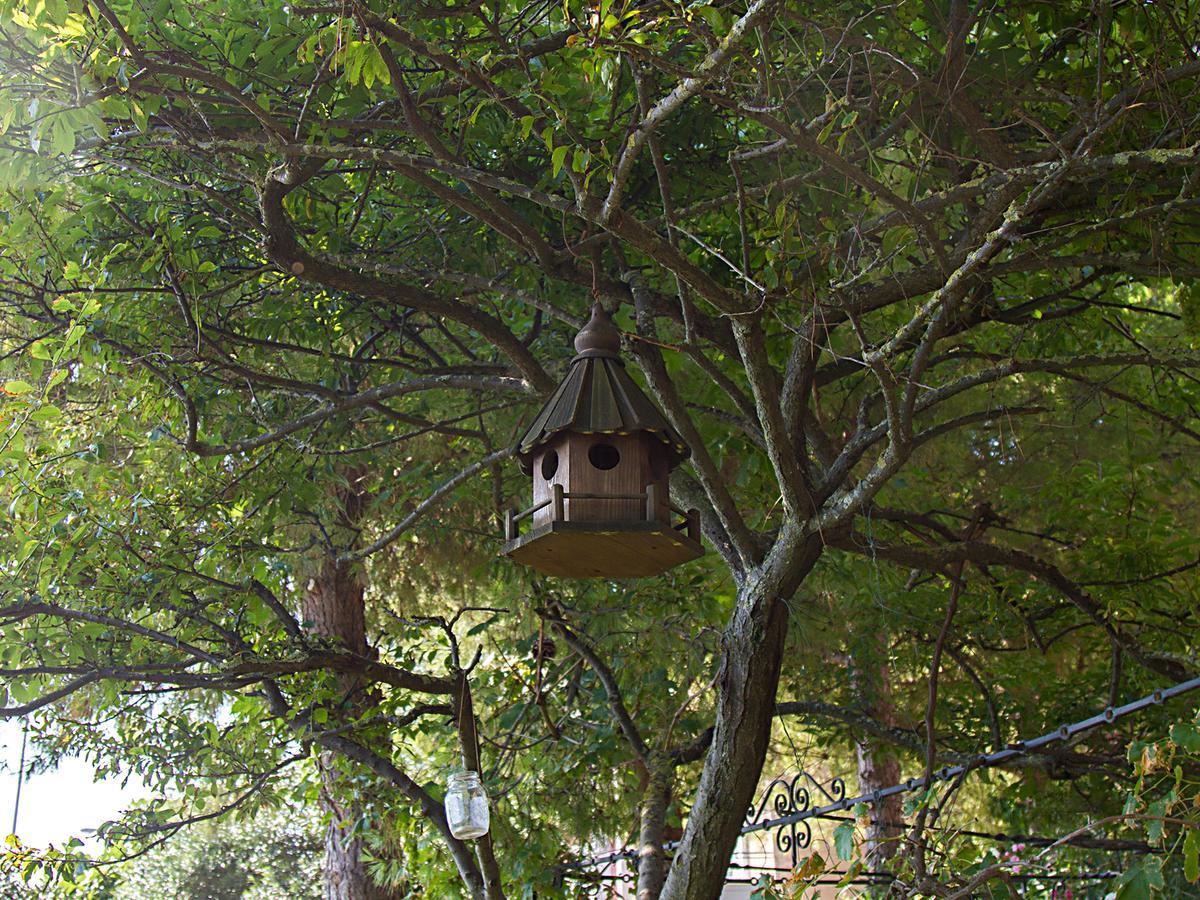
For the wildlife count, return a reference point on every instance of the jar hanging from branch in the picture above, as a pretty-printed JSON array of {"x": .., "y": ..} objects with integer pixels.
[{"x": 467, "y": 806}]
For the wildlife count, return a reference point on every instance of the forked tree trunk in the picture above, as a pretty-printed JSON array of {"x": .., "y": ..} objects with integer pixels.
[
  {"x": 749, "y": 677},
  {"x": 334, "y": 610}
]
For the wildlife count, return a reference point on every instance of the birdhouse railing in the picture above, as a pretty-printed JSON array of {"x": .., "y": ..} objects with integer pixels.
[{"x": 689, "y": 522}]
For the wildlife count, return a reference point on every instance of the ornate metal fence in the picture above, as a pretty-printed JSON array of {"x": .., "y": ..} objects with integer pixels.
[
  {"x": 785, "y": 798},
  {"x": 785, "y": 806}
]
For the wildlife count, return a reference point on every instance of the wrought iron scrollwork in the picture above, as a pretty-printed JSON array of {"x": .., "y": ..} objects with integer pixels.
[
  {"x": 785, "y": 797},
  {"x": 836, "y": 792}
]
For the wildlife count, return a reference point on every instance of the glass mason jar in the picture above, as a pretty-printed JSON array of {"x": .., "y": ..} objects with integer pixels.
[{"x": 466, "y": 806}]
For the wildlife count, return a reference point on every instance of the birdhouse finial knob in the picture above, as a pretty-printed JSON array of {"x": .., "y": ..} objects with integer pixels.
[{"x": 599, "y": 334}]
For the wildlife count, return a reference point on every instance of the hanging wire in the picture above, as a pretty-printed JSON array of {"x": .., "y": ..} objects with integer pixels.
[
  {"x": 1033, "y": 840},
  {"x": 467, "y": 715},
  {"x": 20, "y": 774}
]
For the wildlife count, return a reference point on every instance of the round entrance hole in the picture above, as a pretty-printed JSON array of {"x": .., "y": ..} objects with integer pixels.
[
  {"x": 604, "y": 456},
  {"x": 549, "y": 464}
]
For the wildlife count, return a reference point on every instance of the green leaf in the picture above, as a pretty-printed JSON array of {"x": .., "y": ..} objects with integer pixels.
[
  {"x": 826, "y": 131},
  {"x": 557, "y": 158},
  {"x": 74, "y": 333},
  {"x": 1155, "y": 826},
  {"x": 1191, "y": 856},
  {"x": 22, "y": 691},
  {"x": 1186, "y": 737},
  {"x": 139, "y": 115},
  {"x": 852, "y": 872},
  {"x": 712, "y": 16},
  {"x": 481, "y": 626},
  {"x": 843, "y": 840},
  {"x": 373, "y": 67},
  {"x": 354, "y": 56},
  {"x": 17, "y": 387},
  {"x": 62, "y": 136},
  {"x": 55, "y": 11},
  {"x": 1140, "y": 881},
  {"x": 811, "y": 867}
]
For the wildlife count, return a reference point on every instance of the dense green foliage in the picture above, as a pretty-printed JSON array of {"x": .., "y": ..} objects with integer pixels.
[
  {"x": 268, "y": 857},
  {"x": 281, "y": 284}
]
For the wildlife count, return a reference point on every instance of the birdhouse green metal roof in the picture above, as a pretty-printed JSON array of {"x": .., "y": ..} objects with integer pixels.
[{"x": 599, "y": 397}]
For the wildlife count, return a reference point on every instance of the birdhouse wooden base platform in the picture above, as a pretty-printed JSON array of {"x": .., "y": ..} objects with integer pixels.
[
  {"x": 568, "y": 539},
  {"x": 603, "y": 549}
]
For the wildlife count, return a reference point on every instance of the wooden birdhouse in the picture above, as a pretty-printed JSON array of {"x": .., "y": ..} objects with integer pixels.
[{"x": 600, "y": 454}]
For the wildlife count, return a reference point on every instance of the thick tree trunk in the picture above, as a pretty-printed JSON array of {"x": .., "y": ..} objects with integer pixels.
[
  {"x": 878, "y": 765},
  {"x": 753, "y": 652},
  {"x": 651, "y": 860},
  {"x": 346, "y": 876},
  {"x": 333, "y": 606},
  {"x": 334, "y": 610},
  {"x": 878, "y": 768}
]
